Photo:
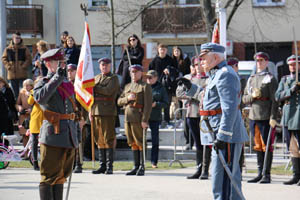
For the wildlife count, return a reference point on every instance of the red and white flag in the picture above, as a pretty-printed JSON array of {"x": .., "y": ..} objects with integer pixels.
[
  {"x": 84, "y": 80},
  {"x": 216, "y": 33}
]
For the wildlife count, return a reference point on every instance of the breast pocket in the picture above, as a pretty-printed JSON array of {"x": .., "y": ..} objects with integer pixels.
[
  {"x": 211, "y": 90},
  {"x": 139, "y": 96}
]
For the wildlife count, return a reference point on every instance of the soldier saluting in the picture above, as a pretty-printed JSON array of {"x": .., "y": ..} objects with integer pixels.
[
  {"x": 58, "y": 136},
  {"x": 104, "y": 111},
  {"x": 137, "y": 100},
  {"x": 288, "y": 92},
  {"x": 259, "y": 92}
]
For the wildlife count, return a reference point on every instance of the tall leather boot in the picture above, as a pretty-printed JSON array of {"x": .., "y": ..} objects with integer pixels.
[
  {"x": 296, "y": 172},
  {"x": 58, "y": 190},
  {"x": 102, "y": 160},
  {"x": 110, "y": 161},
  {"x": 298, "y": 169},
  {"x": 78, "y": 165},
  {"x": 141, "y": 170},
  {"x": 136, "y": 162},
  {"x": 260, "y": 164},
  {"x": 206, "y": 163},
  {"x": 36, "y": 165},
  {"x": 45, "y": 192},
  {"x": 267, "y": 174},
  {"x": 199, "y": 159}
]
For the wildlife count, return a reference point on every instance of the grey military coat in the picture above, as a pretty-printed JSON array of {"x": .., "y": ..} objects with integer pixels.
[{"x": 46, "y": 94}]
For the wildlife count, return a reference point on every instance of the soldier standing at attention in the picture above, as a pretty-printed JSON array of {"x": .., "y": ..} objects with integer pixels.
[
  {"x": 260, "y": 94},
  {"x": 58, "y": 135},
  {"x": 197, "y": 77},
  {"x": 288, "y": 92},
  {"x": 220, "y": 110},
  {"x": 104, "y": 112},
  {"x": 137, "y": 100}
]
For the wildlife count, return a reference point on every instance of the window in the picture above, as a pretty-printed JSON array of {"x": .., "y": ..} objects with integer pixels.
[
  {"x": 180, "y": 2},
  {"x": 98, "y": 4},
  {"x": 268, "y": 3},
  {"x": 19, "y": 2}
]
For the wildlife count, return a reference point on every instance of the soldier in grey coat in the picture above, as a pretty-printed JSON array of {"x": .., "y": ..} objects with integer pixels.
[
  {"x": 197, "y": 77},
  {"x": 288, "y": 92},
  {"x": 259, "y": 93},
  {"x": 58, "y": 136}
]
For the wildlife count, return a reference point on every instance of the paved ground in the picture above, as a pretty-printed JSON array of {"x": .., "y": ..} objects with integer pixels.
[{"x": 158, "y": 184}]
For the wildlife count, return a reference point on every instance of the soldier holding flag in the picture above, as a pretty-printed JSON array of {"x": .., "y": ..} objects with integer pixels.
[
  {"x": 104, "y": 112},
  {"x": 288, "y": 92}
]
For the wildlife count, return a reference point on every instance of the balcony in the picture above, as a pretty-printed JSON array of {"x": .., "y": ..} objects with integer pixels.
[
  {"x": 26, "y": 19},
  {"x": 173, "y": 20}
]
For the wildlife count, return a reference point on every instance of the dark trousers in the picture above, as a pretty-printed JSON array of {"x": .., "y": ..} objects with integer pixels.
[
  {"x": 154, "y": 126},
  {"x": 16, "y": 84},
  {"x": 167, "y": 109},
  {"x": 194, "y": 130}
]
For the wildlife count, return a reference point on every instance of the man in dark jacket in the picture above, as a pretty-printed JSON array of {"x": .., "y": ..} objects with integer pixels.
[
  {"x": 159, "y": 101},
  {"x": 16, "y": 59},
  {"x": 163, "y": 64}
]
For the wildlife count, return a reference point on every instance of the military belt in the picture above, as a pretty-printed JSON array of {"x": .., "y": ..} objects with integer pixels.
[
  {"x": 263, "y": 99},
  {"x": 103, "y": 99},
  {"x": 210, "y": 112},
  {"x": 135, "y": 105},
  {"x": 54, "y": 118}
]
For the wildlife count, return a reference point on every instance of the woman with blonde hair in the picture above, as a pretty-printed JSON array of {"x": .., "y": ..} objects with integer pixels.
[
  {"x": 24, "y": 109},
  {"x": 36, "y": 120},
  {"x": 39, "y": 68}
]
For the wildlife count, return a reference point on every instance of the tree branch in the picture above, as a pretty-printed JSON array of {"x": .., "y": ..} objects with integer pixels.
[
  {"x": 128, "y": 23},
  {"x": 236, "y": 5}
]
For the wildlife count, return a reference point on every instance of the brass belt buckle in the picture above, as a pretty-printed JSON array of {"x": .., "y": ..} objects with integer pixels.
[{"x": 73, "y": 115}]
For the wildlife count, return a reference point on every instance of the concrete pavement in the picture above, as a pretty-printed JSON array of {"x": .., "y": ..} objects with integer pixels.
[{"x": 157, "y": 184}]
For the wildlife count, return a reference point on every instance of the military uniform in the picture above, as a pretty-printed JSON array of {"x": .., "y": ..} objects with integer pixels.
[
  {"x": 104, "y": 112},
  {"x": 136, "y": 111},
  {"x": 220, "y": 107},
  {"x": 193, "y": 122},
  {"x": 289, "y": 94},
  {"x": 263, "y": 109},
  {"x": 58, "y": 134}
]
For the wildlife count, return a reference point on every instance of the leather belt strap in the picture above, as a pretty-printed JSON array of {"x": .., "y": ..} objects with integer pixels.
[
  {"x": 103, "y": 99},
  {"x": 135, "y": 105},
  {"x": 262, "y": 99},
  {"x": 210, "y": 112},
  {"x": 70, "y": 116}
]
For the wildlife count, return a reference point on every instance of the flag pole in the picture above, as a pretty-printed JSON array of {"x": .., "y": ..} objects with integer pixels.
[{"x": 85, "y": 12}]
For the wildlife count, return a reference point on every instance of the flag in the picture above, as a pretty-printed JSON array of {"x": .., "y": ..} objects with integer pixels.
[
  {"x": 216, "y": 33},
  {"x": 84, "y": 79}
]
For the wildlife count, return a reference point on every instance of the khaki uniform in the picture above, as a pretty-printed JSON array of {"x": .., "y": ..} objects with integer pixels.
[
  {"x": 104, "y": 109},
  {"x": 136, "y": 111}
]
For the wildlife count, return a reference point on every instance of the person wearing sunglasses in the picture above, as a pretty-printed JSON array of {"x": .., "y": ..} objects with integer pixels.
[{"x": 136, "y": 56}]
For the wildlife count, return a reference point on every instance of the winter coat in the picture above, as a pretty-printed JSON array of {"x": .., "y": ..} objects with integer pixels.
[
  {"x": 36, "y": 115},
  {"x": 16, "y": 59},
  {"x": 160, "y": 97},
  {"x": 72, "y": 55},
  {"x": 6, "y": 125}
]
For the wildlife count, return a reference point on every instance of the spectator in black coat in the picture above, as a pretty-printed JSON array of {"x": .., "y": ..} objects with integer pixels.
[
  {"x": 7, "y": 102},
  {"x": 71, "y": 51},
  {"x": 136, "y": 54},
  {"x": 165, "y": 67},
  {"x": 182, "y": 61}
]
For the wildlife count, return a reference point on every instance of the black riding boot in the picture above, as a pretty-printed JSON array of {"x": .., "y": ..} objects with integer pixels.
[
  {"x": 260, "y": 164},
  {"x": 199, "y": 159},
  {"x": 58, "y": 190},
  {"x": 206, "y": 163},
  {"x": 296, "y": 172},
  {"x": 141, "y": 170},
  {"x": 36, "y": 166},
  {"x": 78, "y": 165},
  {"x": 110, "y": 161},
  {"x": 45, "y": 192},
  {"x": 35, "y": 152},
  {"x": 136, "y": 162},
  {"x": 267, "y": 174},
  {"x": 102, "y": 160}
]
